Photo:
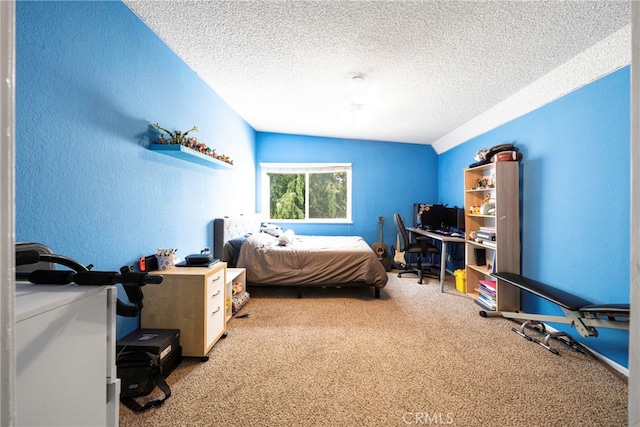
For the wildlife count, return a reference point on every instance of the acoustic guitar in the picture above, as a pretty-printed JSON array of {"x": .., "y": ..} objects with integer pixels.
[{"x": 381, "y": 249}]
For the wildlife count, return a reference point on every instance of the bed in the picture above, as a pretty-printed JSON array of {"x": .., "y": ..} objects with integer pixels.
[{"x": 302, "y": 262}]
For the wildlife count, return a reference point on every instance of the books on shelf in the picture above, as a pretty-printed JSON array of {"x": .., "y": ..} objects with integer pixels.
[
  {"x": 486, "y": 235},
  {"x": 486, "y": 302},
  {"x": 488, "y": 287},
  {"x": 487, "y": 293},
  {"x": 489, "y": 230},
  {"x": 489, "y": 284}
]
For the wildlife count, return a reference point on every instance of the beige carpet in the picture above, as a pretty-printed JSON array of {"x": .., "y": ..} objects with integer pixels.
[{"x": 339, "y": 357}]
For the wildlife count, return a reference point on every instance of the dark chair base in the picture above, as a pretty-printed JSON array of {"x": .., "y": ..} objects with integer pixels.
[
  {"x": 428, "y": 270},
  {"x": 424, "y": 272}
]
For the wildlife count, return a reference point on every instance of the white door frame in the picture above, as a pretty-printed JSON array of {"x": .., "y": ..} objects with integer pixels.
[
  {"x": 634, "y": 264},
  {"x": 7, "y": 216}
]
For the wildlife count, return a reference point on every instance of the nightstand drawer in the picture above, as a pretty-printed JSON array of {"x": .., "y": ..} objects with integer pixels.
[
  {"x": 215, "y": 281},
  {"x": 215, "y": 297},
  {"x": 215, "y": 306},
  {"x": 215, "y": 318}
]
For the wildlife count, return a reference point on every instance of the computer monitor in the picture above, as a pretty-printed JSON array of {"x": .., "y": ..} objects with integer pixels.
[
  {"x": 453, "y": 218},
  {"x": 430, "y": 217}
]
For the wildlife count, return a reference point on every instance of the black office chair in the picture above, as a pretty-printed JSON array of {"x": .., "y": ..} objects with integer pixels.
[{"x": 421, "y": 247}]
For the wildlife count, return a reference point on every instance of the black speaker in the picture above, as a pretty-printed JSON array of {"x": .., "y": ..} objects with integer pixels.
[{"x": 480, "y": 256}]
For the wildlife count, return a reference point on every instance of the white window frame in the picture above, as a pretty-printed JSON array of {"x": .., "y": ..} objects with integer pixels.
[{"x": 305, "y": 168}]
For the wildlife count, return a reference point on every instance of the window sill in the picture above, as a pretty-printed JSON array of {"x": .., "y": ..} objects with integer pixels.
[{"x": 311, "y": 221}]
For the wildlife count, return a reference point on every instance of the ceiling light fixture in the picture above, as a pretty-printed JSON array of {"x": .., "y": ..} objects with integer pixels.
[
  {"x": 355, "y": 110},
  {"x": 357, "y": 91},
  {"x": 357, "y": 81}
]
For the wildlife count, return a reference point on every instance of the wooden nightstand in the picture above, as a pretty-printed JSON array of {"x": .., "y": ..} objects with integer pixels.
[{"x": 191, "y": 299}]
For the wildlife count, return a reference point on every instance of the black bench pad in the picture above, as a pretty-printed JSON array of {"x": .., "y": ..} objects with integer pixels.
[
  {"x": 620, "y": 309},
  {"x": 556, "y": 296}
]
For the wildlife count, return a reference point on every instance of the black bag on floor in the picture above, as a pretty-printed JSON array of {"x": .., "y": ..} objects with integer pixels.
[{"x": 140, "y": 374}]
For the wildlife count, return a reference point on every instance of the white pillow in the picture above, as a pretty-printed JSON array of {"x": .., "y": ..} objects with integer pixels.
[
  {"x": 274, "y": 230},
  {"x": 286, "y": 237}
]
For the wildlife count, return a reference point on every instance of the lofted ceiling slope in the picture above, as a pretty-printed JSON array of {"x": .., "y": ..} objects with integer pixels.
[{"x": 425, "y": 69}]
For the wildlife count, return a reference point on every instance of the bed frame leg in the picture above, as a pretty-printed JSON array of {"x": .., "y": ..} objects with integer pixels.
[{"x": 377, "y": 292}]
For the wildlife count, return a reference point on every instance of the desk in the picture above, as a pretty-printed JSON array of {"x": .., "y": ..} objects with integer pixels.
[{"x": 443, "y": 253}]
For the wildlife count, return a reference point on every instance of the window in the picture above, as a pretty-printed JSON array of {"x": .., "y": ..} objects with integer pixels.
[{"x": 315, "y": 192}]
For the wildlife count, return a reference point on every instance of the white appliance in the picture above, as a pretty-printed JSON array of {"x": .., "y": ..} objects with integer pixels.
[{"x": 65, "y": 355}]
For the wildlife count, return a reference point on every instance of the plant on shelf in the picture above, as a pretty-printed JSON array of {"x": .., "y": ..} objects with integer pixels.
[{"x": 181, "y": 138}]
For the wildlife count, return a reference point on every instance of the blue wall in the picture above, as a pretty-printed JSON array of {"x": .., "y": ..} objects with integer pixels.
[
  {"x": 387, "y": 178},
  {"x": 91, "y": 76},
  {"x": 575, "y": 200}
]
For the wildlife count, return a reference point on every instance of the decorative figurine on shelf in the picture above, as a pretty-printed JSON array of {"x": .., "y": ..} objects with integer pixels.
[
  {"x": 177, "y": 137},
  {"x": 488, "y": 207},
  {"x": 491, "y": 183},
  {"x": 482, "y": 183},
  {"x": 180, "y": 138}
]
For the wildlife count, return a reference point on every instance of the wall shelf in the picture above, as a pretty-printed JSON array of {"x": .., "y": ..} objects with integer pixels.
[{"x": 189, "y": 155}]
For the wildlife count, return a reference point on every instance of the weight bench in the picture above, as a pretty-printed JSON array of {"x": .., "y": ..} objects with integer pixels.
[{"x": 579, "y": 313}]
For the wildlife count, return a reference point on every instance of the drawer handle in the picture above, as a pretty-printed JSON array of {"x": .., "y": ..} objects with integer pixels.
[
  {"x": 216, "y": 294},
  {"x": 216, "y": 279},
  {"x": 214, "y": 312}
]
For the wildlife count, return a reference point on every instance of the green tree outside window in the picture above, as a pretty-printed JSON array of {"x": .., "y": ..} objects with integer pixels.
[{"x": 309, "y": 195}]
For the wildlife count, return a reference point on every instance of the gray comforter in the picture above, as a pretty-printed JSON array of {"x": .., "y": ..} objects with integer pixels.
[{"x": 310, "y": 260}]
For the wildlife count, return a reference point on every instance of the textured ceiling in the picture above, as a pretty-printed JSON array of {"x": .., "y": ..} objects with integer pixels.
[{"x": 427, "y": 67}]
